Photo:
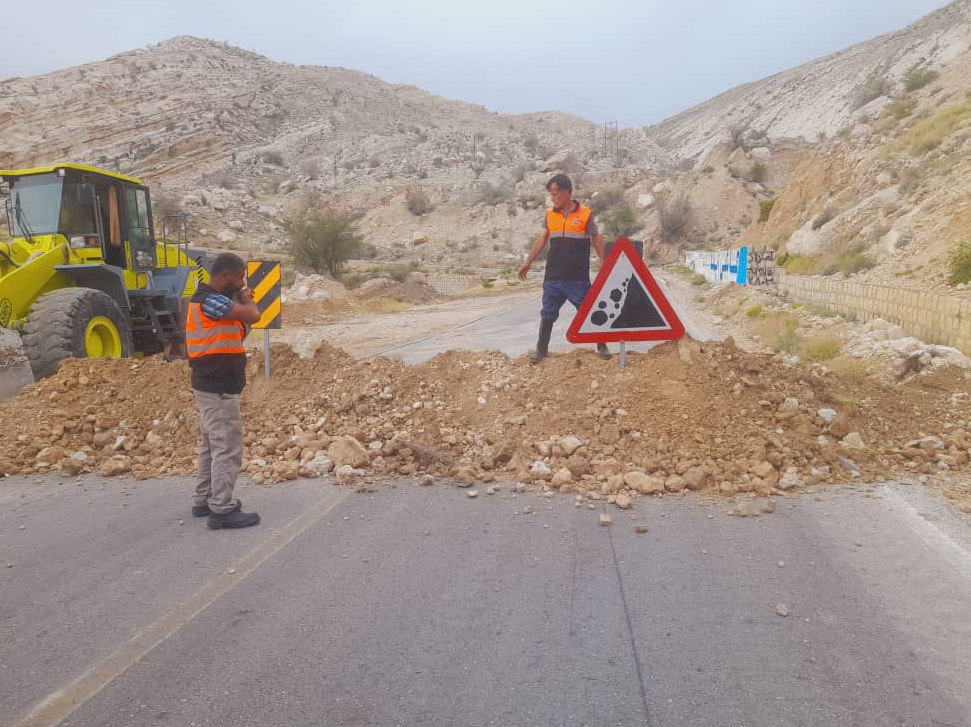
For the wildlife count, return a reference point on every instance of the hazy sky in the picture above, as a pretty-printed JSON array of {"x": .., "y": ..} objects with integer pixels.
[{"x": 638, "y": 62}]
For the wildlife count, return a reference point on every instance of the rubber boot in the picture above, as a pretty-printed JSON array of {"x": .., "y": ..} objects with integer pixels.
[
  {"x": 543, "y": 342},
  {"x": 603, "y": 351}
]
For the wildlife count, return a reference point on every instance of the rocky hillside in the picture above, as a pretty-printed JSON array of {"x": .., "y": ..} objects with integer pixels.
[
  {"x": 239, "y": 141},
  {"x": 820, "y": 98}
]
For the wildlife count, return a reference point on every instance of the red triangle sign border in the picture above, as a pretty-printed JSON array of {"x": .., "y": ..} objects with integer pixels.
[{"x": 623, "y": 246}]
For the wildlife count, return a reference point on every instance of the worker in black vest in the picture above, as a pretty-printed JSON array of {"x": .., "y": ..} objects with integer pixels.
[{"x": 570, "y": 229}]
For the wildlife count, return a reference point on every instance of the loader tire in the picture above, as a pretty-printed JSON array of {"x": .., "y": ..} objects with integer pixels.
[{"x": 74, "y": 323}]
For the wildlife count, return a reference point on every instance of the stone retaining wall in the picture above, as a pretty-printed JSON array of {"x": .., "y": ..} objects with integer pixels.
[{"x": 931, "y": 317}]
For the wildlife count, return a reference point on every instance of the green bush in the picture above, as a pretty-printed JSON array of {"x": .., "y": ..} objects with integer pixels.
[
  {"x": 621, "y": 221},
  {"x": 819, "y": 350},
  {"x": 756, "y": 311},
  {"x": 917, "y": 78},
  {"x": 799, "y": 264},
  {"x": 698, "y": 279},
  {"x": 756, "y": 172},
  {"x": 847, "y": 262},
  {"x": 765, "y": 209},
  {"x": 418, "y": 201},
  {"x": 959, "y": 268},
  {"x": 323, "y": 240}
]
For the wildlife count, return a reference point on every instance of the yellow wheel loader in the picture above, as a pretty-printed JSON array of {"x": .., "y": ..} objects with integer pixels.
[{"x": 83, "y": 274}]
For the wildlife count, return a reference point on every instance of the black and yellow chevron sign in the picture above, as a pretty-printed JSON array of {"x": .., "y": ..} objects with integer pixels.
[{"x": 263, "y": 279}]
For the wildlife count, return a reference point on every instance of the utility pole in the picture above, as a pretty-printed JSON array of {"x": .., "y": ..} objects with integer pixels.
[{"x": 608, "y": 127}]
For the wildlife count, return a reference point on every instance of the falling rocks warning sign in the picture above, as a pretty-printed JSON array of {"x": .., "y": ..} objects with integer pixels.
[{"x": 625, "y": 303}]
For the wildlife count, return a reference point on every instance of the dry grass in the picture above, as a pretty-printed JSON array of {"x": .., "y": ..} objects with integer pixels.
[
  {"x": 821, "y": 349},
  {"x": 929, "y": 133},
  {"x": 778, "y": 332}
]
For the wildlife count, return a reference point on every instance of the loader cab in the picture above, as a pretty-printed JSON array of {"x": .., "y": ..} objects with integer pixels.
[{"x": 100, "y": 214}]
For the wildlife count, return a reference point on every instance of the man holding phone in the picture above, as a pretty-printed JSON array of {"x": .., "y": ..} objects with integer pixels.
[{"x": 217, "y": 321}]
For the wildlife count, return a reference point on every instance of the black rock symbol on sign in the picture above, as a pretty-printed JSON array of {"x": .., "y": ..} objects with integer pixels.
[{"x": 633, "y": 310}]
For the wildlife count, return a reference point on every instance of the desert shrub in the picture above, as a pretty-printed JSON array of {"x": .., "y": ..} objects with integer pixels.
[
  {"x": 698, "y": 279},
  {"x": 606, "y": 199},
  {"x": 273, "y": 157},
  {"x": 929, "y": 133},
  {"x": 756, "y": 311},
  {"x": 778, "y": 332},
  {"x": 323, "y": 240},
  {"x": 310, "y": 168},
  {"x": 765, "y": 209},
  {"x": 674, "y": 215},
  {"x": 418, "y": 201},
  {"x": 490, "y": 194},
  {"x": 959, "y": 266},
  {"x": 756, "y": 172},
  {"x": 917, "y": 78},
  {"x": 799, "y": 264},
  {"x": 621, "y": 221},
  {"x": 736, "y": 134},
  {"x": 847, "y": 262},
  {"x": 820, "y": 350},
  {"x": 823, "y": 217},
  {"x": 875, "y": 86}
]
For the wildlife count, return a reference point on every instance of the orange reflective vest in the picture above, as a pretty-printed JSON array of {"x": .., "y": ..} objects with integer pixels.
[
  {"x": 572, "y": 226},
  {"x": 570, "y": 238},
  {"x": 206, "y": 337}
]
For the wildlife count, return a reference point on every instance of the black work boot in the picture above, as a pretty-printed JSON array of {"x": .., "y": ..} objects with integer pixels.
[
  {"x": 234, "y": 519},
  {"x": 603, "y": 351},
  {"x": 203, "y": 510},
  {"x": 543, "y": 342}
]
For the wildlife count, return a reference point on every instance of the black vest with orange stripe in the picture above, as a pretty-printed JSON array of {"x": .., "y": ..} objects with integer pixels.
[
  {"x": 569, "y": 257},
  {"x": 215, "y": 348}
]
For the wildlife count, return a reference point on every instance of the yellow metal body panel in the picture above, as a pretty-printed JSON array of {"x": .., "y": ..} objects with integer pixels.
[
  {"x": 68, "y": 165},
  {"x": 22, "y": 285}
]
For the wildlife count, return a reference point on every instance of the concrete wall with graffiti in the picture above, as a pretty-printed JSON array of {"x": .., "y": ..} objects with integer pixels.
[{"x": 740, "y": 265}]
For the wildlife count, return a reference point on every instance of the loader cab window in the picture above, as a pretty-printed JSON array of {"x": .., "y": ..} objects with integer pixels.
[
  {"x": 136, "y": 208},
  {"x": 110, "y": 210},
  {"x": 35, "y": 203},
  {"x": 77, "y": 211}
]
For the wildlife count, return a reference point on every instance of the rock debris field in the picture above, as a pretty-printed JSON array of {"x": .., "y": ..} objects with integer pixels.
[{"x": 686, "y": 416}]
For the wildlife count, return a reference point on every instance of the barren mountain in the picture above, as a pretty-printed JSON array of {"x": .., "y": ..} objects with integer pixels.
[{"x": 821, "y": 97}]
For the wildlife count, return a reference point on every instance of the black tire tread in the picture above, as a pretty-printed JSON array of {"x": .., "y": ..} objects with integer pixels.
[{"x": 54, "y": 329}]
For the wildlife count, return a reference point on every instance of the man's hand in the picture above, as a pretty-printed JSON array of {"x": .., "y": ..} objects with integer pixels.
[
  {"x": 245, "y": 296},
  {"x": 523, "y": 271}
]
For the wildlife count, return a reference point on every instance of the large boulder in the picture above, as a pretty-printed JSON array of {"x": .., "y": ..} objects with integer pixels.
[{"x": 348, "y": 451}]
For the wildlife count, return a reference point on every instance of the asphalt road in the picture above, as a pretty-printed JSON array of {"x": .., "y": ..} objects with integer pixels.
[
  {"x": 420, "y": 606},
  {"x": 513, "y": 329}
]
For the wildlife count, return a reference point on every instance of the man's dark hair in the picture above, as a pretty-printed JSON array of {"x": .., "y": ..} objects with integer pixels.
[
  {"x": 226, "y": 262},
  {"x": 560, "y": 180}
]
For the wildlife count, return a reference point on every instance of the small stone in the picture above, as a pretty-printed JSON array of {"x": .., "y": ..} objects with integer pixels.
[
  {"x": 472, "y": 493},
  {"x": 858, "y": 543},
  {"x": 623, "y": 501},
  {"x": 231, "y": 571},
  {"x": 827, "y": 415},
  {"x": 640, "y": 528},
  {"x": 853, "y": 440},
  {"x": 605, "y": 519},
  {"x": 782, "y": 609},
  {"x": 781, "y": 564},
  {"x": 570, "y": 444},
  {"x": 768, "y": 506},
  {"x": 482, "y": 401}
]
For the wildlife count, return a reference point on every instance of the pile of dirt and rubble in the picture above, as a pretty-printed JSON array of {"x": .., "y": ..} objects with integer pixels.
[
  {"x": 414, "y": 289},
  {"x": 685, "y": 416}
]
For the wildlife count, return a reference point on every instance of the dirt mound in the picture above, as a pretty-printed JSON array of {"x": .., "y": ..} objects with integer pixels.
[
  {"x": 685, "y": 416},
  {"x": 410, "y": 291}
]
